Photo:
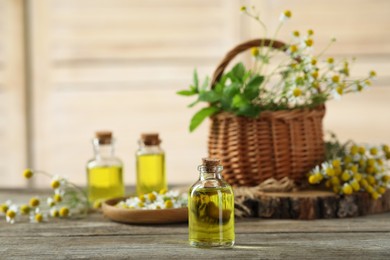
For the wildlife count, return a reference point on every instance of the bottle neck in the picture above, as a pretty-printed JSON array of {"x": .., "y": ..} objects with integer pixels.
[
  {"x": 103, "y": 150},
  {"x": 210, "y": 172},
  {"x": 149, "y": 148}
]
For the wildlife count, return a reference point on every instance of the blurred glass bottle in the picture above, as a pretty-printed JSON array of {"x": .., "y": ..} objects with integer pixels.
[
  {"x": 150, "y": 160},
  {"x": 211, "y": 208},
  {"x": 104, "y": 171}
]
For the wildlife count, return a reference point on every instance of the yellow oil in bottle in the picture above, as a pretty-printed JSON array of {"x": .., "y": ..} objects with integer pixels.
[
  {"x": 105, "y": 182},
  {"x": 150, "y": 173},
  {"x": 211, "y": 217}
]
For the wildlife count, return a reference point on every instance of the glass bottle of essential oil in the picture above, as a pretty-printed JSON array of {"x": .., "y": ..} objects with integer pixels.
[
  {"x": 211, "y": 208},
  {"x": 104, "y": 171},
  {"x": 150, "y": 160}
]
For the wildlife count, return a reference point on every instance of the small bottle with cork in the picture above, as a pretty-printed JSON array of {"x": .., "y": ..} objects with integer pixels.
[
  {"x": 211, "y": 208},
  {"x": 104, "y": 171},
  {"x": 150, "y": 163}
]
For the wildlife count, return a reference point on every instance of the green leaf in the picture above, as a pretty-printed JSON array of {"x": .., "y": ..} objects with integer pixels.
[
  {"x": 227, "y": 96},
  {"x": 219, "y": 88},
  {"x": 231, "y": 90},
  {"x": 196, "y": 79},
  {"x": 249, "y": 110},
  {"x": 201, "y": 115},
  {"x": 194, "y": 103},
  {"x": 186, "y": 92},
  {"x": 205, "y": 83},
  {"x": 209, "y": 96},
  {"x": 239, "y": 101},
  {"x": 238, "y": 71},
  {"x": 252, "y": 89}
]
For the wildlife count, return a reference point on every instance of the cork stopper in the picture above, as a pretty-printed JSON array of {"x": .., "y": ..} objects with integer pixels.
[
  {"x": 104, "y": 137},
  {"x": 150, "y": 138},
  {"x": 211, "y": 164}
]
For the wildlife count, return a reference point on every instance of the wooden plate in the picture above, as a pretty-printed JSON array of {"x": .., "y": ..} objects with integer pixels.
[{"x": 143, "y": 216}]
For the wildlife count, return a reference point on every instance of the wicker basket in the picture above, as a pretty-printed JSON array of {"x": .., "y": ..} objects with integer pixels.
[{"x": 277, "y": 144}]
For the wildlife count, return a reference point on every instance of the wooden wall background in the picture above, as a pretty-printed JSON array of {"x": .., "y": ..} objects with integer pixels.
[{"x": 101, "y": 64}]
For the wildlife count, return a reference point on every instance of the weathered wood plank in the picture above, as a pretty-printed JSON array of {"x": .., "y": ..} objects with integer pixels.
[{"x": 249, "y": 246}]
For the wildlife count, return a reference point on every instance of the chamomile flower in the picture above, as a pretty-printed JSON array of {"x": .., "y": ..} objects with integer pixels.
[
  {"x": 64, "y": 212},
  {"x": 34, "y": 202},
  {"x": 50, "y": 202},
  {"x": 37, "y": 216},
  {"x": 58, "y": 195},
  {"x": 11, "y": 214},
  {"x": 28, "y": 173},
  {"x": 54, "y": 212},
  {"x": 286, "y": 15},
  {"x": 55, "y": 182},
  {"x": 5, "y": 206},
  {"x": 24, "y": 209}
]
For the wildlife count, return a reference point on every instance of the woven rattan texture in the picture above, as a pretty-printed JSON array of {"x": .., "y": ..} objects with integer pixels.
[{"x": 278, "y": 144}]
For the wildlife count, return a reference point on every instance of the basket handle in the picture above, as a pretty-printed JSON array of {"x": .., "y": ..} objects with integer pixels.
[{"x": 278, "y": 45}]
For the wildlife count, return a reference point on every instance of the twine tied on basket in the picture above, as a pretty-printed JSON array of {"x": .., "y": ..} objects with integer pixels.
[{"x": 241, "y": 194}]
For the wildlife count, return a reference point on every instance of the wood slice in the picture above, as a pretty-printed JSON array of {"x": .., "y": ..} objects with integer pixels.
[{"x": 308, "y": 205}]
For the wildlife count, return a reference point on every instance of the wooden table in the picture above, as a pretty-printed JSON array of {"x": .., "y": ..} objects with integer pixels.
[{"x": 96, "y": 237}]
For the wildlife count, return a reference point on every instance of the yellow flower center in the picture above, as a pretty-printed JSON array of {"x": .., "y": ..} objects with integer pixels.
[
  {"x": 309, "y": 42},
  {"x": 374, "y": 151},
  {"x": 38, "y": 217},
  {"x": 11, "y": 214},
  {"x": 372, "y": 73},
  {"x": 297, "y": 92},
  {"x": 313, "y": 62},
  {"x": 371, "y": 180},
  {"x": 354, "y": 150},
  {"x": 336, "y": 78},
  {"x": 347, "y": 189},
  {"x": 336, "y": 163},
  {"x": 296, "y": 33},
  {"x": 362, "y": 150},
  {"x": 168, "y": 204},
  {"x": 355, "y": 185},
  {"x": 27, "y": 173},
  {"x": 64, "y": 212},
  {"x": 287, "y": 13},
  {"x": 57, "y": 197},
  {"x": 335, "y": 180},
  {"x": 55, "y": 184},
  {"x": 24, "y": 209},
  {"x": 310, "y": 32},
  {"x": 34, "y": 202},
  {"x": 330, "y": 60},
  {"x": 255, "y": 51},
  {"x": 345, "y": 176},
  {"x": 55, "y": 213},
  {"x": 340, "y": 90},
  {"x": 330, "y": 172},
  {"x": 4, "y": 208},
  {"x": 152, "y": 197},
  {"x": 293, "y": 48},
  {"x": 381, "y": 190},
  {"x": 142, "y": 198}
]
